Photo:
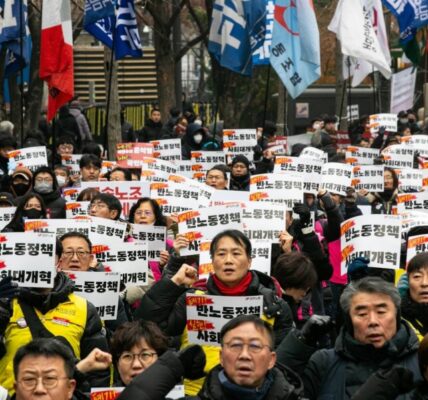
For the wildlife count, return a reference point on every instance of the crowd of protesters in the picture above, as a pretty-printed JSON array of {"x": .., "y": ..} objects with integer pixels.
[{"x": 321, "y": 335}]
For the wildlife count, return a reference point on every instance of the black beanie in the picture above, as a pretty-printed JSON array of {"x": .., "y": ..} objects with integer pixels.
[{"x": 242, "y": 159}]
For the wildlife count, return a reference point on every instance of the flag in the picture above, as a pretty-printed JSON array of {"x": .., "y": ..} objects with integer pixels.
[
  {"x": 13, "y": 30},
  {"x": 353, "y": 26},
  {"x": 295, "y": 49},
  {"x": 360, "y": 68},
  {"x": 101, "y": 21},
  {"x": 56, "y": 53},
  {"x": 229, "y": 41},
  {"x": 262, "y": 36}
]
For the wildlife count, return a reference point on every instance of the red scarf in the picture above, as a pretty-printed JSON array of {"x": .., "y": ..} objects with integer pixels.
[{"x": 239, "y": 290}]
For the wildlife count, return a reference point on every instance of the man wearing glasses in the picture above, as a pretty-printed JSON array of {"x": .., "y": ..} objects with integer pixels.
[
  {"x": 76, "y": 254},
  {"x": 105, "y": 205}
]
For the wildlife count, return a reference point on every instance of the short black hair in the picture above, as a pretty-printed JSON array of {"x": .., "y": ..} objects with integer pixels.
[
  {"x": 220, "y": 167},
  {"x": 65, "y": 139},
  {"x": 258, "y": 323},
  {"x": 90, "y": 159},
  {"x": 295, "y": 270},
  {"x": 154, "y": 109},
  {"x": 69, "y": 235},
  {"x": 418, "y": 262},
  {"x": 92, "y": 148},
  {"x": 112, "y": 202},
  {"x": 125, "y": 172},
  {"x": 46, "y": 348},
  {"x": 160, "y": 219},
  {"x": 237, "y": 236},
  {"x": 87, "y": 194}
]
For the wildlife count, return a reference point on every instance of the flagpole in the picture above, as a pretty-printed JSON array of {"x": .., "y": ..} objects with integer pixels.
[
  {"x": 266, "y": 96},
  {"x": 21, "y": 84},
  {"x": 285, "y": 111},
  {"x": 374, "y": 91},
  {"x": 109, "y": 92},
  {"x": 349, "y": 84}
]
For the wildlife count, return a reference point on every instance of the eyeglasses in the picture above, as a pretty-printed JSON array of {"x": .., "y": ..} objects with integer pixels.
[
  {"x": 141, "y": 213},
  {"x": 79, "y": 253},
  {"x": 253, "y": 347},
  {"x": 66, "y": 147},
  {"x": 49, "y": 382},
  {"x": 98, "y": 205},
  {"x": 128, "y": 358}
]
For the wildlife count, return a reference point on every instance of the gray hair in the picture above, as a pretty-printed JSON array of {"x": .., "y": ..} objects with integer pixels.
[
  {"x": 6, "y": 127},
  {"x": 369, "y": 285}
]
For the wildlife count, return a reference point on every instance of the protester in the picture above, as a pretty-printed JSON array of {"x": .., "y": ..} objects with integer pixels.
[
  {"x": 195, "y": 139},
  {"x": 6, "y": 200},
  {"x": 152, "y": 130},
  {"x": 76, "y": 111},
  {"x": 66, "y": 125},
  {"x": 105, "y": 205},
  {"x": 240, "y": 177},
  {"x": 21, "y": 182},
  {"x": 63, "y": 176},
  {"x": 217, "y": 177},
  {"x": 119, "y": 174},
  {"x": 90, "y": 168},
  {"x": 65, "y": 146}
]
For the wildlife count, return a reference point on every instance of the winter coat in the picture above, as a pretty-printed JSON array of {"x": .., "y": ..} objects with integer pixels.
[
  {"x": 415, "y": 314},
  {"x": 240, "y": 183},
  {"x": 151, "y": 131},
  {"x": 66, "y": 124},
  {"x": 382, "y": 204},
  {"x": 339, "y": 372},
  {"x": 188, "y": 144},
  {"x": 82, "y": 123}
]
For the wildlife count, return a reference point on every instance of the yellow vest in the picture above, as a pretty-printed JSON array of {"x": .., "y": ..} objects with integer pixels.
[
  {"x": 68, "y": 319},
  {"x": 212, "y": 354}
]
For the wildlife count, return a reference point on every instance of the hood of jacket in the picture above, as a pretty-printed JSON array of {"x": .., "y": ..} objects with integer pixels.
[{"x": 44, "y": 302}]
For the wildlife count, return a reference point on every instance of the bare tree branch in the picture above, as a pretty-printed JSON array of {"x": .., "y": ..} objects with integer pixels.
[
  {"x": 189, "y": 45},
  {"x": 176, "y": 13}
]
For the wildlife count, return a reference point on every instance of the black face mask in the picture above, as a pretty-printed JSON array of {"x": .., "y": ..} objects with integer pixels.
[
  {"x": 20, "y": 188},
  {"x": 32, "y": 213}
]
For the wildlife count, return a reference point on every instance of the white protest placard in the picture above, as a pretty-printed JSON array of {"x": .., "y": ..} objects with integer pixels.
[
  {"x": 101, "y": 289},
  {"x": 368, "y": 177},
  {"x": 353, "y": 112},
  {"x": 203, "y": 224},
  {"x": 126, "y": 192},
  {"x": 314, "y": 154},
  {"x": 309, "y": 170},
  {"x": 206, "y": 315},
  {"x": 105, "y": 230},
  {"x": 174, "y": 197},
  {"x": 107, "y": 166},
  {"x": 398, "y": 156},
  {"x": 167, "y": 149},
  {"x": 6, "y": 215},
  {"x": 411, "y": 219},
  {"x": 416, "y": 245},
  {"x": 361, "y": 155},
  {"x": 30, "y": 157},
  {"x": 71, "y": 161},
  {"x": 263, "y": 220},
  {"x": 261, "y": 251},
  {"x": 412, "y": 202},
  {"x": 417, "y": 142},
  {"x": 336, "y": 177},
  {"x": 387, "y": 121},
  {"x": 58, "y": 227},
  {"x": 402, "y": 90},
  {"x": 376, "y": 237},
  {"x": 205, "y": 267},
  {"x": 205, "y": 191},
  {"x": 239, "y": 141},
  {"x": 279, "y": 188},
  {"x": 71, "y": 193},
  {"x": 223, "y": 197},
  {"x": 410, "y": 179},
  {"x": 157, "y": 164},
  {"x": 154, "y": 175},
  {"x": 154, "y": 236},
  {"x": 130, "y": 260},
  {"x": 77, "y": 209},
  {"x": 205, "y": 160},
  {"x": 184, "y": 168},
  {"x": 28, "y": 259},
  {"x": 176, "y": 393}
]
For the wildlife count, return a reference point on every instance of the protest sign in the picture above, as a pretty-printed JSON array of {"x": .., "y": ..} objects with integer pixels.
[
  {"x": 107, "y": 166},
  {"x": 154, "y": 236},
  {"x": 309, "y": 170},
  {"x": 105, "y": 230},
  {"x": 126, "y": 192},
  {"x": 71, "y": 194},
  {"x": 263, "y": 220},
  {"x": 154, "y": 175},
  {"x": 411, "y": 219},
  {"x": 336, "y": 177},
  {"x": 156, "y": 164},
  {"x": 314, "y": 154},
  {"x": 30, "y": 157},
  {"x": 418, "y": 142},
  {"x": 71, "y": 161},
  {"x": 368, "y": 177},
  {"x": 185, "y": 168},
  {"x": 387, "y": 121},
  {"x": 205, "y": 191},
  {"x": 376, "y": 237},
  {"x": 205, "y": 160},
  {"x": 58, "y": 227},
  {"x": 167, "y": 149},
  {"x": 222, "y": 197},
  {"x": 398, "y": 156},
  {"x": 174, "y": 197},
  {"x": 361, "y": 155},
  {"x": 342, "y": 140},
  {"x": 77, "y": 209},
  {"x": 130, "y": 155},
  {"x": 6, "y": 215},
  {"x": 410, "y": 179},
  {"x": 261, "y": 252},
  {"x": 203, "y": 224},
  {"x": 416, "y": 245},
  {"x": 205, "y": 267},
  {"x": 279, "y": 188},
  {"x": 352, "y": 112},
  {"x": 101, "y": 289},
  {"x": 128, "y": 259},
  {"x": 206, "y": 315},
  {"x": 176, "y": 393},
  {"x": 412, "y": 202},
  {"x": 403, "y": 89},
  {"x": 28, "y": 259},
  {"x": 239, "y": 141}
]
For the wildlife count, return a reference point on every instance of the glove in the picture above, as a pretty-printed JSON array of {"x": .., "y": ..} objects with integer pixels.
[
  {"x": 315, "y": 327},
  {"x": 304, "y": 214},
  {"x": 358, "y": 268},
  {"x": 351, "y": 197},
  {"x": 327, "y": 201},
  {"x": 193, "y": 360},
  {"x": 8, "y": 289},
  {"x": 403, "y": 285}
]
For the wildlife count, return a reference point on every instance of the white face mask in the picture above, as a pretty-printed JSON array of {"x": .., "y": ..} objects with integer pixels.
[
  {"x": 198, "y": 121},
  {"x": 404, "y": 120},
  {"x": 61, "y": 180},
  {"x": 197, "y": 138},
  {"x": 316, "y": 126}
]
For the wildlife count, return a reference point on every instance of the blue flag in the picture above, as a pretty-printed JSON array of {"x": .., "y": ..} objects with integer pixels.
[
  {"x": 295, "y": 49},
  {"x": 96, "y": 10},
  {"x": 229, "y": 40},
  {"x": 13, "y": 30},
  {"x": 261, "y": 43},
  {"x": 102, "y": 30},
  {"x": 411, "y": 15}
]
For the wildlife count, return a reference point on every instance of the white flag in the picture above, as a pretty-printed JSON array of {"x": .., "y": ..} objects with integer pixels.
[{"x": 354, "y": 27}]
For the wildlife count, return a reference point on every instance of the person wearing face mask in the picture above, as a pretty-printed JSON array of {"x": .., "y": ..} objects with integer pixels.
[
  {"x": 46, "y": 185},
  {"x": 20, "y": 182},
  {"x": 193, "y": 140},
  {"x": 31, "y": 206},
  {"x": 62, "y": 174}
]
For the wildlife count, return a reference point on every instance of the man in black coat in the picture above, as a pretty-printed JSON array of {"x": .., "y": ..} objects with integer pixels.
[{"x": 152, "y": 130}]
